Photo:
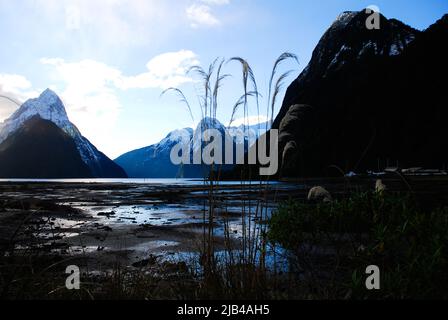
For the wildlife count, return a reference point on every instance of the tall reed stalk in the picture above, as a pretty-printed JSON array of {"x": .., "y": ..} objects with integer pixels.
[{"x": 244, "y": 264}]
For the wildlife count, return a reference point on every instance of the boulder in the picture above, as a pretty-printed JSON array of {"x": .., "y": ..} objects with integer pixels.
[{"x": 319, "y": 194}]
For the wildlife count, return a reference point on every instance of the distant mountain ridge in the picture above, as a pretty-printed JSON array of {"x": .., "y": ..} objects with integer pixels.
[
  {"x": 48, "y": 106},
  {"x": 154, "y": 161}
]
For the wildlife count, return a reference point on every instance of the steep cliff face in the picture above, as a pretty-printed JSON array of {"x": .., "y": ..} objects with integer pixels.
[
  {"x": 348, "y": 48},
  {"x": 40, "y": 149},
  {"x": 367, "y": 98}
]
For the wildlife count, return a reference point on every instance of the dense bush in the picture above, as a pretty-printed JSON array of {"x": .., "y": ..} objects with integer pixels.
[{"x": 335, "y": 242}]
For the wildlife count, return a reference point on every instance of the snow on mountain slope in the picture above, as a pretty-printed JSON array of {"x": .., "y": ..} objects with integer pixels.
[
  {"x": 348, "y": 44},
  {"x": 248, "y": 133},
  {"x": 49, "y": 106},
  {"x": 154, "y": 161},
  {"x": 361, "y": 98},
  {"x": 173, "y": 138},
  {"x": 348, "y": 41}
]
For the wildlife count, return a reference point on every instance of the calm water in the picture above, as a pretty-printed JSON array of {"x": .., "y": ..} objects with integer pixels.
[{"x": 134, "y": 181}]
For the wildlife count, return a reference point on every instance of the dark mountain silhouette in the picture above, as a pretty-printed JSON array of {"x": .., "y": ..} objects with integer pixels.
[
  {"x": 40, "y": 149},
  {"x": 368, "y": 99}
]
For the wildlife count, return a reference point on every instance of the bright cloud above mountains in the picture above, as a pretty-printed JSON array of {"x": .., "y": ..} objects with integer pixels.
[
  {"x": 121, "y": 22},
  {"x": 16, "y": 88},
  {"x": 89, "y": 79},
  {"x": 90, "y": 88},
  {"x": 163, "y": 71},
  {"x": 129, "y": 22},
  {"x": 201, "y": 13}
]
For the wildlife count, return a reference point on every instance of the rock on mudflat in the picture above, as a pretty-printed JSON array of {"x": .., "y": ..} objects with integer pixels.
[{"x": 319, "y": 194}]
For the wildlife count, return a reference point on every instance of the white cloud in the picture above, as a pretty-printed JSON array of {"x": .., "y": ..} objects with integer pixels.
[
  {"x": 87, "y": 90},
  {"x": 15, "y": 89},
  {"x": 90, "y": 88},
  {"x": 7, "y": 107},
  {"x": 88, "y": 76},
  {"x": 252, "y": 120},
  {"x": 118, "y": 22},
  {"x": 14, "y": 83},
  {"x": 201, "y": 15},
  {"x": 163, "y": 71},
  {"x": 216, "y": 2}
]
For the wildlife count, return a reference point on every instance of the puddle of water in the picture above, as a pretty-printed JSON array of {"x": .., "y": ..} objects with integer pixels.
[
  {"x": 141, "y": 214},
  {"x": 277, "y": 259},
  {"x": 155, "y": 245},
  {"x": 84, "y": 249}
]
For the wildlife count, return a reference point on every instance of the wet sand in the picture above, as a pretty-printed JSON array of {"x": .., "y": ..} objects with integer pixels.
[
  {"x": 128, "y": 222},
  {"x": 106, "y": 223}
]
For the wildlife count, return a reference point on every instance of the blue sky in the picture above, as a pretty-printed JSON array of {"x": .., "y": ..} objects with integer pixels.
[{"x": 109, "y": 60}]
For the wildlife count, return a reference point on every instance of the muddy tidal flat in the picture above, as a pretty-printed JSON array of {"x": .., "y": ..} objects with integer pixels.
[
  {"x": 147, "y": 237},
  {"x": 129, "y": 221},
  {"x": 105, "y": 222}
]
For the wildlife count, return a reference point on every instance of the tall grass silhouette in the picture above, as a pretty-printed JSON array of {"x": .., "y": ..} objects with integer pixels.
[{"x": 241, "y": 269}]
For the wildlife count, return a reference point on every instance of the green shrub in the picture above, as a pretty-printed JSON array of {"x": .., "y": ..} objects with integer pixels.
[{"x": 407, "y": 242}]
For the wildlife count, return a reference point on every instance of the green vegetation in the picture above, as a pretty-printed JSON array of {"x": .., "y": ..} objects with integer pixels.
[{"x": 332, "y": 244}]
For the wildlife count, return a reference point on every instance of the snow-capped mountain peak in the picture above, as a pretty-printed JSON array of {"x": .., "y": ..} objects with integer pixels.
[
  {"x": 210, "y": 123},
  {"x": 348, "y": 41},
  {"x": 154, "y": 161},
  {"x": 174, "y": 137},
  {"x": 50, "y": 97},
  {"x": 48, "y": 106},
  {"x": 178, "y": 135},
  {"x": 207, "y": 124},
  {"x": 344, "y": 19}
]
